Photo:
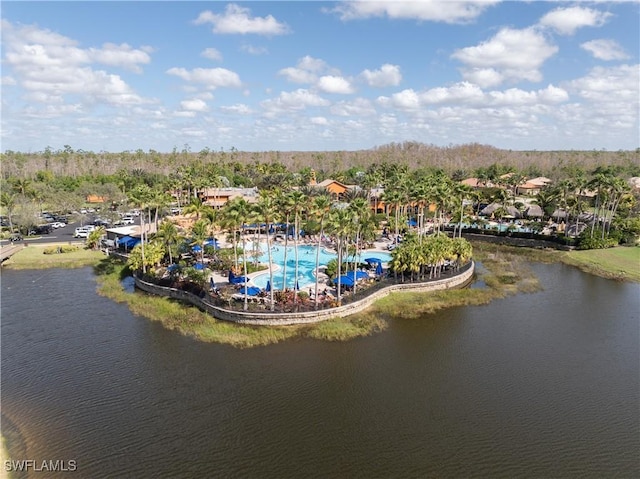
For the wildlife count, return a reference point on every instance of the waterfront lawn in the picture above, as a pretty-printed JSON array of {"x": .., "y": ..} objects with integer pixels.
[
  {"x": 33, "y": 257},
  {"x": 622, "y": 262}
]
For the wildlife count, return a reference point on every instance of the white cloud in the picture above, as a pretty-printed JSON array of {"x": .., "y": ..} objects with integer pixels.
[
  {"x": 615, "y": 85},
  {"x": 513, "y": 54},
  {"x": 387, "y": 75},
  {"x": 9, "y": 81},
  {"x": 123, "y": 56},
  {"x": 460, "y": 11},
  {"x": 50, "y": 66},
  {"x": 306, "y": 70},
  {"x": 292, "y": 101},
  {"x": 459, "y": 93},
  {"x": 335, "y": 84},
  {"x": 210, "y": 77},
  {"x": 356, "y": 107},
  {"x": 195, "y": 104},
  {"x": 604, "y": 49},
  {"x": 240, "y": 109},
  {"x": 319, "y": 120},
  {"x": 484, "y": 77},
  {"x": 212, "y": 54},
  {"x": 237, "y": 20},
  {"x": 253, "y": 50},
  {"x": 567, "y": 20}
]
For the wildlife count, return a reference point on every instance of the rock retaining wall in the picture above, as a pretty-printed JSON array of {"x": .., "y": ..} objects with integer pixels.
[{"x": 306, "y": 317}]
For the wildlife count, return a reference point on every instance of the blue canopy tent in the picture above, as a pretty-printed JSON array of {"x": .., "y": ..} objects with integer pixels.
[
  {"x": 345, "y": 281},
  {"x": 128, "y": 241}
]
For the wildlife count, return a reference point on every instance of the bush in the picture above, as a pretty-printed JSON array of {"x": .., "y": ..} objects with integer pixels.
[{"x": 67, "y": 248}]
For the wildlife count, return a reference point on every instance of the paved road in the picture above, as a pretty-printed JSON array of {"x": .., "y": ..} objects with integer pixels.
[{"x": 60, "y": 235}]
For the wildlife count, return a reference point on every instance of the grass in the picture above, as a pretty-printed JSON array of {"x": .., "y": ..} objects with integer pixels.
[
  {"x": 33, "y": 257},
  {"x": 621, "y": 263}
]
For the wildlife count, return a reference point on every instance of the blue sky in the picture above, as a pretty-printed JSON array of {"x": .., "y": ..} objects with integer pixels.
[{"x": 260, "y": 76}]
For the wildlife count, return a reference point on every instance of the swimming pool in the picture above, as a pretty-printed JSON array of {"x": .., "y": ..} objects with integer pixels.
[{"x": 306, "y": 264}]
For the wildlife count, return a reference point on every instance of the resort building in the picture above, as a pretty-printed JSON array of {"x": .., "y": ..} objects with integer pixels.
[{"x": 218, "y": 197}]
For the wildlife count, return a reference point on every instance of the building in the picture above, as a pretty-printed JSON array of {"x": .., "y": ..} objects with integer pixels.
[{"x": 218, "y": 197}]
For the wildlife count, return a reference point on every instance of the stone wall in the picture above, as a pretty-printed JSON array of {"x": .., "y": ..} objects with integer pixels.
[{"x": 307, "y": 317}]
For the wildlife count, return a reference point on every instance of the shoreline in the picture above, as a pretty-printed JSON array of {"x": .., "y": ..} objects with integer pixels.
[{"x": 503, "y": 270}]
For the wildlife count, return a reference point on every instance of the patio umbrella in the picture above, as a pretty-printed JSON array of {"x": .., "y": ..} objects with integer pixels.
[
  {"x": 373, "y": 260},
  {"x": 197, "y": 248},
  {"x": 199, "y": 266},
  {"x": 268, "y": 288},
  {"x": 379, "y": 269}
]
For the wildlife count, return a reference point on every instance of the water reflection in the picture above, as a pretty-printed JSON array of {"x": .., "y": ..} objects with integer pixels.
[{"x": 536, "y": 385}]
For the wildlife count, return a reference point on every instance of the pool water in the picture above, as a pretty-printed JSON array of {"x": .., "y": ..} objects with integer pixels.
[{"x": 306, "y": 264}]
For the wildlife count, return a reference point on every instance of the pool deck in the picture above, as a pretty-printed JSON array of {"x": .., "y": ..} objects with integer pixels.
[{"x": 378, "y": 246}]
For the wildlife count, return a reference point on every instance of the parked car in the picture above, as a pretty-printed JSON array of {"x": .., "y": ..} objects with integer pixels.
[
  {"x": 58, "y": 224},
  {"x": 40, "y": 230},
  {"x": 81, "y": 232}
]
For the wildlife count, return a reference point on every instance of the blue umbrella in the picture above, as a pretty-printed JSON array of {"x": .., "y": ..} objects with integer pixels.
[
  {"x": 268, "y": 288},
  {"x": 379, "y": 269},
  {"x": 373, "y": 260},
  {"x": 199, "y": 266},
  {"x": 197, "y": 248},
  {"x": 172, "y": 267}
]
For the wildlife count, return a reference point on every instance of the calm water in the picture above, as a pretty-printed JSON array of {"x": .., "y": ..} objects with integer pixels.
[{"x": 539, "y": 385}]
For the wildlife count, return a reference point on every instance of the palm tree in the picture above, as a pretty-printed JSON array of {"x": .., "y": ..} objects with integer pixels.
[
  {"x": 196, "y": 206},
  {"x": 285, "y": 204},
  {"x": 200, "y": 234},
  {"x": 359, "y": 209},
  {"x": 8, "y": 201},
  {"x": 240, "y": 210},
  {"x": 321, "y": 206},
  {"x": 266, "y": 207},
  {"x": 169, "y": 235},
  {"x": 298, "y": 200},
  {"x": 340, "y": 225},
  {"x": 141, "y": 196}
]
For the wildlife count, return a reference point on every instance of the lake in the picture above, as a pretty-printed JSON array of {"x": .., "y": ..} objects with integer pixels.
[{"x": 535, "y": 385}]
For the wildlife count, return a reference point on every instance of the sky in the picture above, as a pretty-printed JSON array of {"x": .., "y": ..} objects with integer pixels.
[{"x": 319, "y": 76}]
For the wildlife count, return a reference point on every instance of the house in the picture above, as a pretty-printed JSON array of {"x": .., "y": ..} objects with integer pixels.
[
  {"x": 95, "y": 199},
  {"x": 533, "y": 186},
  {"x": 333, "y": 187},
  {"x": 218, "y": 197}
]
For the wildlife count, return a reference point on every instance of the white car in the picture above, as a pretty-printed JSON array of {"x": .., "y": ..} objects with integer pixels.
[
  {"x": 81, "y": 232},
  {"x": 58, "y": 224}
]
